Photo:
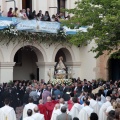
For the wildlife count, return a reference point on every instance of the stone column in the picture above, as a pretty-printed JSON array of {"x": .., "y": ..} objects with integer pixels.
[
  {"x": 74, "y": 68},
  {"x": 34, "y": 3},
  {"x": 6, "y": 71},
  {"x": 44, "y": 68}
]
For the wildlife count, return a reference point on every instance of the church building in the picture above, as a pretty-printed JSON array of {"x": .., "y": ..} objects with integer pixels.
[{"x": 22, "y": 61}]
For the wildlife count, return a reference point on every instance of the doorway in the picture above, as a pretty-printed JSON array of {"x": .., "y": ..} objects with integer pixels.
[
  {"x": 114, "y": 69},
  {"x": 25, "y": 67},
  {"x": 61, "y": 5},
  {"x": 27, "y": 4}
]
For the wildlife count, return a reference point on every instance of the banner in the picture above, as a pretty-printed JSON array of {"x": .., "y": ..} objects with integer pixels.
[
  {"x": 5, "y": 22},
  {"x": 49, "y": 27},
  {"x": 26, "y": 25},
  {"x": 38, "y": 26},
  {"x": 30, "y": 25}
]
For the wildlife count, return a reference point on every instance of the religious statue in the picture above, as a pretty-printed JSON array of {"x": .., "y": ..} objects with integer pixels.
[
  {"x": 60, "y": 69},
  {"x": 60, "y": 65}
]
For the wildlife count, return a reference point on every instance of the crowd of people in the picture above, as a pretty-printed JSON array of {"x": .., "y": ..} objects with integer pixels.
[
  {"x": 82, "y": 100},
  {"x": 26, "y": 14}
]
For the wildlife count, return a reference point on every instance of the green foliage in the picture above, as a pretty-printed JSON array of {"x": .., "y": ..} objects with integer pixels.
[{"x": 104, "y": 17}]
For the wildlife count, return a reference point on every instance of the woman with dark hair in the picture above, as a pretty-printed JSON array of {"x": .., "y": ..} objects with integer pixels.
[
  {"x": 10, "y": 14},
  {"x": 47, "y": 16},
  {"x": 15, "y": 13},
  {"x": 34, "y": 14}
]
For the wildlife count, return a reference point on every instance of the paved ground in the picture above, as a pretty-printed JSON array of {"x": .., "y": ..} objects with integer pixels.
[{"x": 19, "y": 111}]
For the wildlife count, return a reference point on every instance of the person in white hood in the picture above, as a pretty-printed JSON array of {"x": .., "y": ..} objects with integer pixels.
[{"x": 75, "y": 108}]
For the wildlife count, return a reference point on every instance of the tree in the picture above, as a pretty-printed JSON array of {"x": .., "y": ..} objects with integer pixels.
[{"x": 104, "y": 17}]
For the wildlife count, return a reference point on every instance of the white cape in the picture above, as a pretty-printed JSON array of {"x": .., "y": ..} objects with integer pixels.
[
  {"x": 102, "y": 112},
  {"x": 95, "y": 106},
  {"x": 28, "y": 106},
  {"x": 85, "y": 113},
  {"x": 7, "y": 113},
  {"x": 55, "y": 114},
  {"x": 75, "y": 110},
  {"x": 38, "y": 116}
]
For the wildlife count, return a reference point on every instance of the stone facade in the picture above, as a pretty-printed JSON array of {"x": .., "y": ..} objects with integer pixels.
[{"x": 80, "y": 60}]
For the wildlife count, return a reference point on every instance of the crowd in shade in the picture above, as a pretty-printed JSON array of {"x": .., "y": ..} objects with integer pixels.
[
  {"x": 82, "y": 100},
  {"x": 26, "y": 14}
]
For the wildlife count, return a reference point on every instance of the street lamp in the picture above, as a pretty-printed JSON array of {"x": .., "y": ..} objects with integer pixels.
[{"x": 12, "y": 1}]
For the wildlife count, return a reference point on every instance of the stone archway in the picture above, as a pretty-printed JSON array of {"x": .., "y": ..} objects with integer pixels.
[
  {"x": 26, "y": 59},
  {"x": 68, "y": 53},
  {"x": 68, "y": 58},
  {"x": 40, "y": 52}
]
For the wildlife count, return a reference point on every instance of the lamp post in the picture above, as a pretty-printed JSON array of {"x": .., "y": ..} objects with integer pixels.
[{"x": 12, "y": 1}]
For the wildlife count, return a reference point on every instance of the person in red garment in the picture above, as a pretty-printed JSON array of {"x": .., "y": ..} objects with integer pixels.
[
  {"x": 70, "y": 103},
  {"x": 54, "y": 101},
  {"x": 49, "y": 107},
  {"x": 42, "y": 109}
]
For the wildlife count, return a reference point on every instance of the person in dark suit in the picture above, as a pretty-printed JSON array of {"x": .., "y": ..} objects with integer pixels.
[
  {"x": 64, "y": 115},
  {"x": 52, "y": 89},
  {"x": 65, "y": 92},
  {"x": 29, "y": 14},
  {"x": 89, "y": 87}
]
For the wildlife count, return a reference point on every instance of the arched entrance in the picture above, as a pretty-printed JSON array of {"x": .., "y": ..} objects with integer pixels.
[
  {"x": 25, "y": 67},
  {"x": 114, "y": 69},
  {"x": 65, "y": 54}
]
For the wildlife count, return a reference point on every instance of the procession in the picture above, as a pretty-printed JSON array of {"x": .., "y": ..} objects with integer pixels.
[{"x": 59, "y": 60}]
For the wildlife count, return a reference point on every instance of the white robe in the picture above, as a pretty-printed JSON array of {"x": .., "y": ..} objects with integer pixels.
[
  {"x": 95, "y": 106},
  {"x": 102, "y": 112},
  {"x": 103, "y": 99},
  {"x": 7, "y": 113},
  {"x": 38, "y": 116},
  {"x": 28, "y": 118},
  {"x": 109, "y": 109},
  {"x": 28, "y": 106},
  {"x": 75, "y": 110},
  {"x": 55, "y": 114},
  {"x": 85, "y": 113}
]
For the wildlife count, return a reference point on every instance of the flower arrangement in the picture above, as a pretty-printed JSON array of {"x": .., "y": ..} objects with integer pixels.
[{"x": 60, "y": 81}]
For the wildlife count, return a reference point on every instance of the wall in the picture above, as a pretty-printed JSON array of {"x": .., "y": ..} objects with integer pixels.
[{"x": 88, "y": 63}]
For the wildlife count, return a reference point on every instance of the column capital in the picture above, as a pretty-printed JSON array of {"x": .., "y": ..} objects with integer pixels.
[
  {"x": 46, "y": 63},
  {"x": 7, "y": 64}
]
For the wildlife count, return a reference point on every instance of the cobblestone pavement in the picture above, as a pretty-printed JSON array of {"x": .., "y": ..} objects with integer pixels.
[{"x": 19, "y": 111}]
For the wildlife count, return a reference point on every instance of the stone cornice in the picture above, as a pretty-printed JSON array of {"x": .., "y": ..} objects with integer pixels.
[
  {"x": 45, "y": 63},
  {"x": 77, "y": 64},
  {"x": 7, "y": 64},
  {"x": 73, "y": 63}
]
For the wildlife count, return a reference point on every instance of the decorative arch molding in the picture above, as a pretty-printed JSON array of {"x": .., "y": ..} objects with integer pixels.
[
  {"x": 70, "y": 57},
  {"x": 40, "y": 52},
  {"x": 1, "y": 56}
]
